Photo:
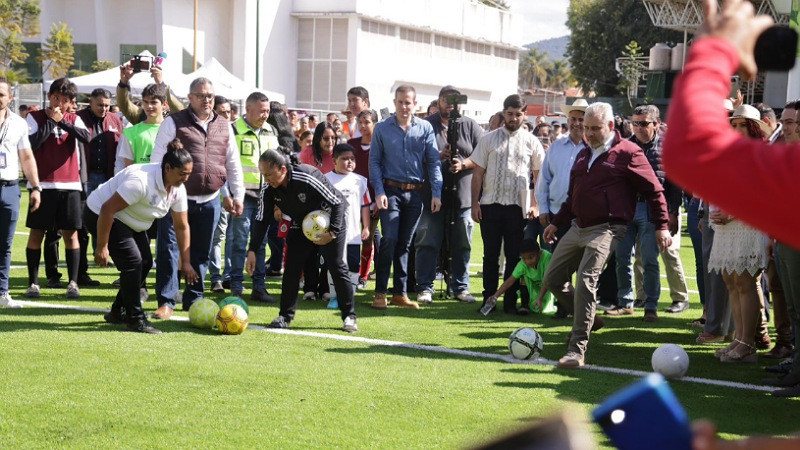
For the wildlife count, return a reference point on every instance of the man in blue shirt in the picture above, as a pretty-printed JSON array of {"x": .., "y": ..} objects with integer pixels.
[{"x": 400, "y": 146}]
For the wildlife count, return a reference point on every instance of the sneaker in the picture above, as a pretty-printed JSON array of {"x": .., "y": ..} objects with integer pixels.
[
  {"x": 33, "y": 291},
  {"x": 87, "y": 281},
  {"x": 143, "y": 326},
  {"x": 217, "y": 287},
  {"x": 602, "y": 306},
  {"x": 143, "y": 295},
  {"x": 523, "y": 311},
  {"x": 310, "y": 296},
  {"x": 116, "y": 283},
  {"x": 350, "y": 325},
  {"x": 54, "y": 283},
  {"x": 279, "y": 322},
  {"x": 333, "y": 303},
  {"x": 402, "y": 301},
  {"x": 73, "y": 291},
  {"x": 425, "y": 297},
  {"x": 650, "y": 316},
  {"x": 226, "y": 284},
  {"x": 788, "y": 380},
  {"x": 362, "y": 283},
  {"x": 465, "y": 296},
  {"x": 782, "y": 367},
  {"x": 678, "y": 307},
  {"x": 8, "y": 302},
  {"x": 572, "y": 360},
  {"x": 326, "y": 296},
  {"x": 274, "y": 274},
  {"x": 261, "y": 295},
  {"x": 164, "y": 312},
  {"x": 638, "y": 303},
  {"x": 380, "y": 301},
  {"x": 620, "y": 311}
]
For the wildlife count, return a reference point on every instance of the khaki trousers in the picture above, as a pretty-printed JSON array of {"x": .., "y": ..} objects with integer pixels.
[{"x": 584, "y": 250}]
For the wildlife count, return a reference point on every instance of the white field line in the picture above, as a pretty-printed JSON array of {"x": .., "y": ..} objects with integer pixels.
[{"x": 431, "y": 348}]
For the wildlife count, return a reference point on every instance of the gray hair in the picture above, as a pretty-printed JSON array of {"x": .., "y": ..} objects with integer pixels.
[
  {"x": 601, "y": 110},
  {"x": 650, "y": 110},
  {"x": 200, "y": 82}
]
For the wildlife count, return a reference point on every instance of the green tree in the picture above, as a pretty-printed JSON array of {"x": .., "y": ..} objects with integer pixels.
[
  {"x": 20, "y": 19},
  {"x": 101, "y": 65},
  {"x": 58, "y": 52},
  {"x": 559, "y": 75},
  {"x": 632, "y": 70},
  {"x": 600, "y": 29},
  {"x": 533, "y": 66}
]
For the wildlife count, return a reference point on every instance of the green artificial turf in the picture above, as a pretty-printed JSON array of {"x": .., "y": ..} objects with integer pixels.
[{"x": 68, "y": 379}]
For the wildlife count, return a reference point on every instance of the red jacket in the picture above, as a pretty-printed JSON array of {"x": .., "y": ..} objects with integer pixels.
[
  {"x": 749, "y": 179},
  {"x": 606, "y": 191}
]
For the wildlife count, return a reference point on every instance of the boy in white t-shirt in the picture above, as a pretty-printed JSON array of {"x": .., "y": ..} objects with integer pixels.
[{"x": 354, "y": 189}]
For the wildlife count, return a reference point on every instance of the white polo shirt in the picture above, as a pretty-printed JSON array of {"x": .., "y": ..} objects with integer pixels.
[
  {"x": 13, "y": 138},
  {"x": 142, "y": 188}
]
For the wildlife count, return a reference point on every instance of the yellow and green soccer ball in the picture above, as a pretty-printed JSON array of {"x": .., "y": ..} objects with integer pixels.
[
  {"x": 235, "y": 301},
  {"x": 316, "y": 223},
  {"x": 203, "y": 313},
  {"x": 232, "y": 319}
]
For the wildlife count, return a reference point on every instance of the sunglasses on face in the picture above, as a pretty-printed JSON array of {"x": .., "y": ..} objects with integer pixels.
[{"x": 641, "y": 123}]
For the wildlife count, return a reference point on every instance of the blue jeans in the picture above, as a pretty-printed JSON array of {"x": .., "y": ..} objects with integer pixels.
[
  {"x": 203, "y": 218},
  {"x": 236, "y": 248},
  {"x": 696, "y": 236},
  {"x": 428, "y": 243},
  {"x": 646, "y": 232},
  {"x": 215, "y": 269},
  {"x": 94, "y": 180},
  {"x": 9, "y": 214},
  {"x": 398, "y": 223}
]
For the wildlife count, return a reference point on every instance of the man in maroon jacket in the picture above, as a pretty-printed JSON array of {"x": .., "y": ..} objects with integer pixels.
[{"x": 605, "y": 180}]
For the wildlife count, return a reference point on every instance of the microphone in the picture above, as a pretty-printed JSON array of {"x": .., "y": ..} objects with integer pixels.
[{"x": 160, "y": 59}]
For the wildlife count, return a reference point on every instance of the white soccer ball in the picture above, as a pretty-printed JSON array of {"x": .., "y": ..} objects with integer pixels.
[
  {"x": 525, "y": 343},
  {"x": 670, "y": 360},
  {"x": 316, "y": 223}
]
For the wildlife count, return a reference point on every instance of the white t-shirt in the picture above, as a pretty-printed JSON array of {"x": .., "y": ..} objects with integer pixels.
[
  {"x": 142, "y": 188},
  {"x": 354, "y": 188},
  {"x": 13, "y": 138}
]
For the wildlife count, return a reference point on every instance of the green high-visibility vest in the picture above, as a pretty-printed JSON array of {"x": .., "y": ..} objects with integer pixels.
[
  {"x": 142, "y": 138},
  {"x": 252, "y": 143}
]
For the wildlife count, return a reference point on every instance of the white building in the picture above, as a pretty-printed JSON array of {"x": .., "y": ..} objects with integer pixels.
[{"x": 312, "y": 50}]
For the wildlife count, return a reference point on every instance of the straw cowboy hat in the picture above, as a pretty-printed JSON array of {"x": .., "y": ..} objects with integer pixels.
[
  {"x": 579, "y": 105},
  {"x": 750, "y": 112}
]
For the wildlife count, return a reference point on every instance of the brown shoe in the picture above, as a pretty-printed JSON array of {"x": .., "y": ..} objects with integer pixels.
[
  {"x": 403, "y": 302},
  {"x": 571, "y": 360},
  {"x": 780, "y": 351},
  {"x": 380, "y": 301},
  {"x": 708, "y": 338},
  {"x": 763, "y": 342},
  {"x": 619, "y": 311},
  {"x": 163, "y": 313},
  {"x": 598, "y": 323},
  {"x": 650, "y": 316}
]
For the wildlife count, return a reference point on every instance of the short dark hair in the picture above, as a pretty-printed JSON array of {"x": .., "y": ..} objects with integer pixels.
[
  {"x": 257, "y": 97},
  {"x": 540, "y": 126},
  {"x": 305, "y": 134},
  {"x": 64, "y": 87},
  {"x": 279, "y": 157},
  {"x": 313, "y": 117},
  {"x": 176, "y": 156},
  {"x": 648, "y": 110},
  {"x": 156, "y": 91},
  {"x": 331, "y": 114},
  {"x": 100, "y": 92},
  {"x": 369, "y": 112},
  {"x": 220, "y": 100},
  {"x": 529, "y": 246},
  {"x": 405, "y": 88},
  {"x": 766, "y": 112},
  {"x": 514, "y": 101},
  {"x": 234, "y": 108},
  {"x": 359, "y": 91},
  {"x": 793, "y": 104},
  {"x": 342, "y": 148}
]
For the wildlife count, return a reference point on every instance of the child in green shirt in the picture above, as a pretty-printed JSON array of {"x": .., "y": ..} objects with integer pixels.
[{"x": 531, "y": 268}]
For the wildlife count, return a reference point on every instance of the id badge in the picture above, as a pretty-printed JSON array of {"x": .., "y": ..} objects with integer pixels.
[{"x": 3, "y": 161}]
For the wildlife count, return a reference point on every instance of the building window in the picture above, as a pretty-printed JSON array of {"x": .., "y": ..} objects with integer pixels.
[
  {"x": 32, "y": 66},
  {"x": 378, "y": 28},
  {"x": 415, "y": 41},
  {"x": 322, "y": 63},
  {"x": 85, "y": 55},
  {"x": 447, "y": 47}
]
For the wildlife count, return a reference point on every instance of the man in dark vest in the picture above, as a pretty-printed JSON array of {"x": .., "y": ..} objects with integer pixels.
[
  {"x": 99, "y": 156},
  {"x": 208, "y": 138}
]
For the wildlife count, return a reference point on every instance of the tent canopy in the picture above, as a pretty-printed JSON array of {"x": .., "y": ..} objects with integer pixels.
[{"x": 225, "y": 83}]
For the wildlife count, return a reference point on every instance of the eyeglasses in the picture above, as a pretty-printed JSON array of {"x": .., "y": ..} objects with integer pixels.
[
  {"x": 642, "y": 123},
  {"x": 208, "y": 97}
]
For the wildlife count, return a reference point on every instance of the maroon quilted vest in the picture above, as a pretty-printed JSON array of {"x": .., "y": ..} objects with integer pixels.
[{"x": 208, "y": 149}]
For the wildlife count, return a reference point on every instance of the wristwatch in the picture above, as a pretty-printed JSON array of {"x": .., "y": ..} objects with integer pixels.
[{"x": 36, "y": 188}]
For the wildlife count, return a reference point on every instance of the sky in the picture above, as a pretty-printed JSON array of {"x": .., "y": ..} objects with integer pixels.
[{"x": 543, "y": 19}]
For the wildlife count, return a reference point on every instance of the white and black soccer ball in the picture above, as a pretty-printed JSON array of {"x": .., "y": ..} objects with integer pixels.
[
  {"x": 670, "y": 360},
  {"x": 525, "y": 343}
]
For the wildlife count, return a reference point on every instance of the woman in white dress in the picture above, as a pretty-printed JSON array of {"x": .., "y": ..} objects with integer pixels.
[{"x": 739, "y": 252}]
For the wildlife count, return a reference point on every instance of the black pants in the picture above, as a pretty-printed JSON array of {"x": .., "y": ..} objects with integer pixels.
[
  {"x": 298, "y": 250},
  {"x": 501, "y": 224},
  {"x": 130, "y": 251}
]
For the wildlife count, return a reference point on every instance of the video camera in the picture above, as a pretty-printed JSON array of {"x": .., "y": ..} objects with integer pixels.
[{"x": 453, "y": 122}]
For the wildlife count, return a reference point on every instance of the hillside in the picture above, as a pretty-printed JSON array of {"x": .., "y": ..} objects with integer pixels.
[{"x": 556, "y": 48}]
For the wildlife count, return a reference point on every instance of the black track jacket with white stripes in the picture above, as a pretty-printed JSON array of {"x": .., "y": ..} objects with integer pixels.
[{"x": 308, "y": 190}]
